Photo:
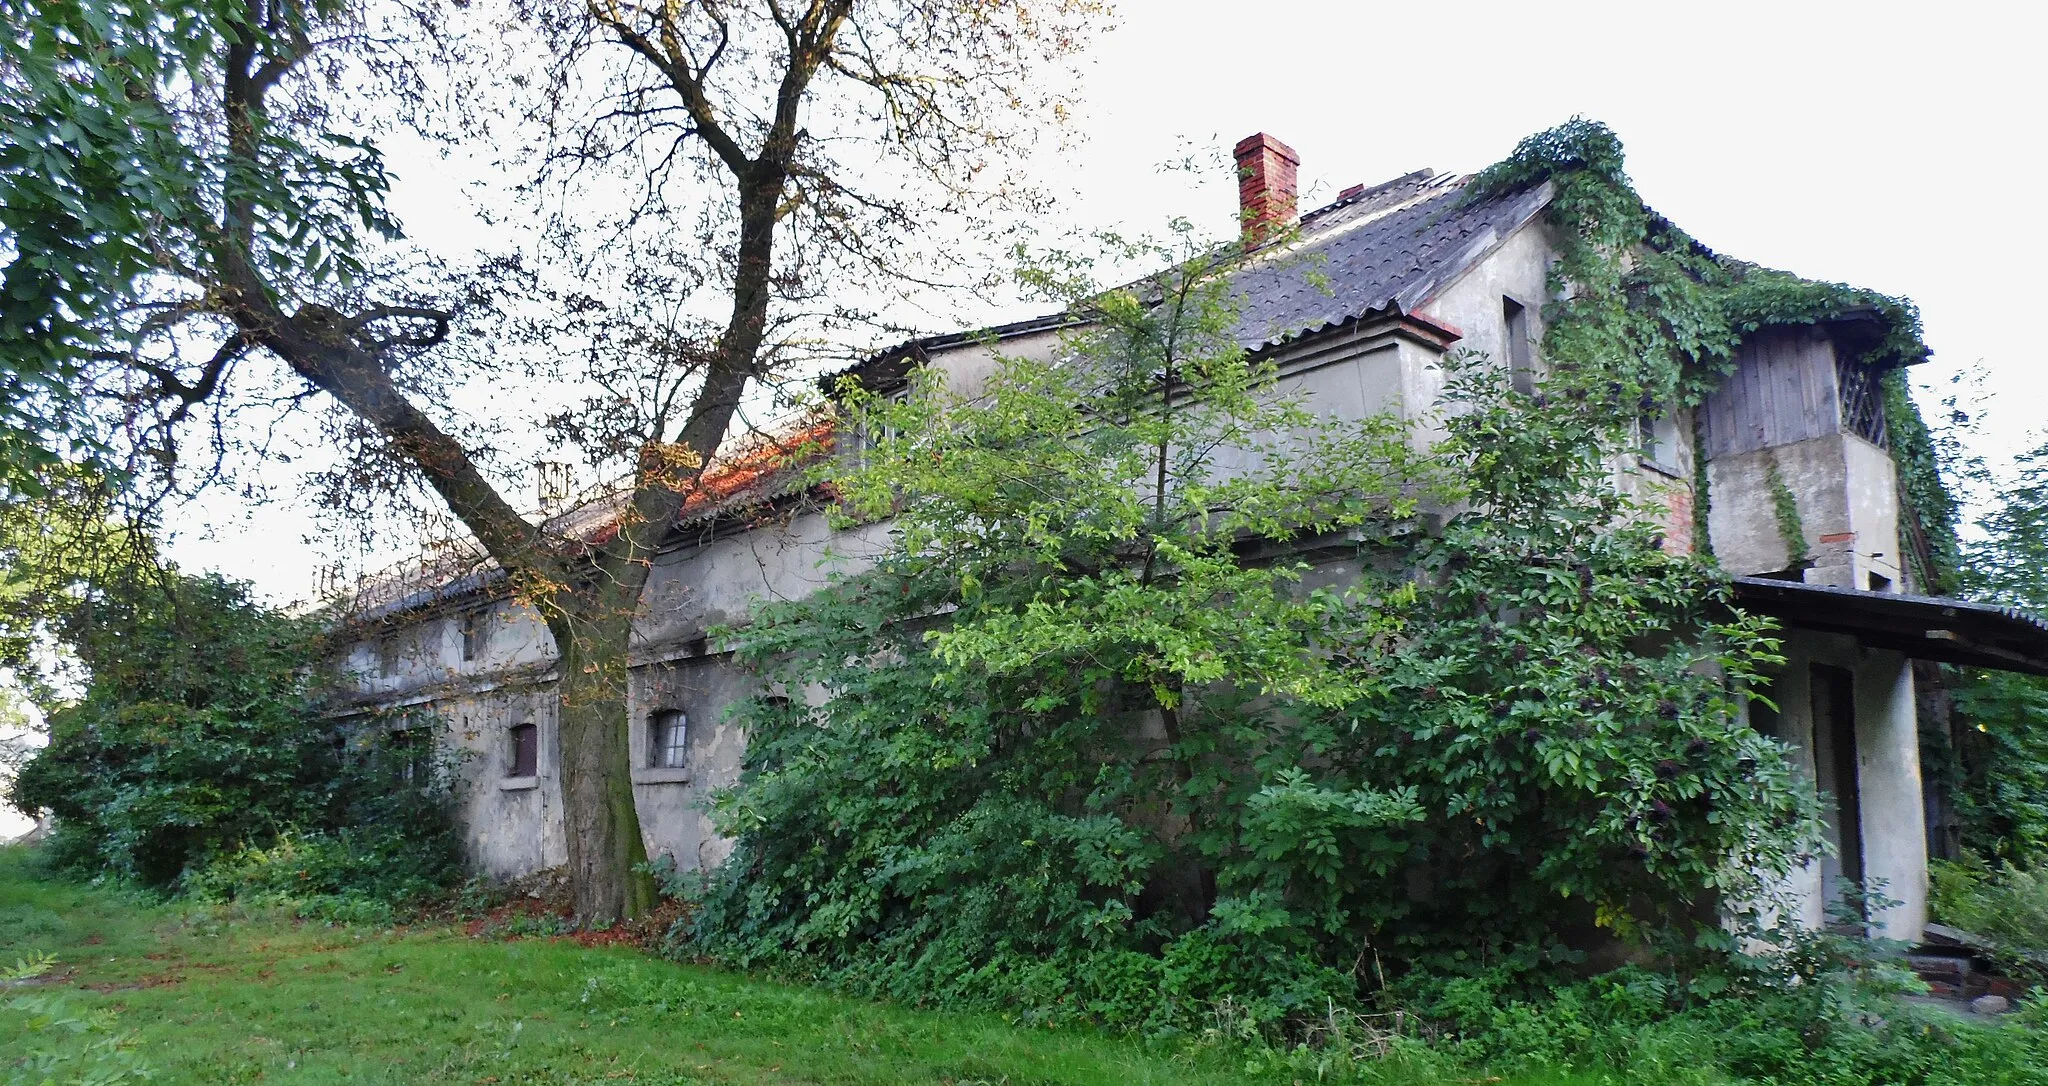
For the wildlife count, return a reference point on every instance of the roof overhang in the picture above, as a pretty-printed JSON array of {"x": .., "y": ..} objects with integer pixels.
[{"x": 1923, "y": 627}]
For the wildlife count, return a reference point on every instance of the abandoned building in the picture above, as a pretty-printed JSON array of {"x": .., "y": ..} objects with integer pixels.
[{"x": 1411, "y": 272}]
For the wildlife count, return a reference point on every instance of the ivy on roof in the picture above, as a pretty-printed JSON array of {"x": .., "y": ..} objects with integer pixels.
[{"x": 1644, "y": 317}]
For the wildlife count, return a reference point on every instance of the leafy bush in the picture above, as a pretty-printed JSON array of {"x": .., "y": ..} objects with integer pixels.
[
  {"x": 2006, "y": 905},
  {"x": 1819, "y": 1011},
  {"x": 1089, "y": 740},
  {"x": 1991, "y": 765},
  {"x": 198, "y": 759}
]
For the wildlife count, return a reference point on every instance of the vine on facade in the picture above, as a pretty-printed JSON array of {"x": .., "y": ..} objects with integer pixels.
[{"x": 1648, "y": 318}]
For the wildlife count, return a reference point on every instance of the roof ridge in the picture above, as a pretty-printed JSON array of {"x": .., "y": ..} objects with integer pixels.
[{"x": 1369, "y": 192}]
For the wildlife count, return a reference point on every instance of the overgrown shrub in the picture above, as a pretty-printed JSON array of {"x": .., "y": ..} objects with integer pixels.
[
  {"x": 2006, "y": 904},
  {"x": 1091, "y": 741},
  {"x": 1992, "y": 765},
  {"x": 199, "y": 758}
]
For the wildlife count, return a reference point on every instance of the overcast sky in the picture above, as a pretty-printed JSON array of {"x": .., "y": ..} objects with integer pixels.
[{"x": 1889, "y": 146}]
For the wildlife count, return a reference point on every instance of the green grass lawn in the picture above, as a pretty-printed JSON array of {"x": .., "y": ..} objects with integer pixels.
[{"x": 213, "y": 995}]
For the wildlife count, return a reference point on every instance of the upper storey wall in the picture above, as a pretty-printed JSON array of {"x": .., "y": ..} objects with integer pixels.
[
  {"x": 1476, "y": 303},
  {"x": 703, "y": 583},
  {"x": 1798, "y": 483}
]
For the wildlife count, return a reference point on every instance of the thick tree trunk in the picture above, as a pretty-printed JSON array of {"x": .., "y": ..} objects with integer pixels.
[
  {"x": 588, "y": 599},
  {"x": 602, "y": 823}
]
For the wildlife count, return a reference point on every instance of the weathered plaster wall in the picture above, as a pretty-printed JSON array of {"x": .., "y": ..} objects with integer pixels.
[
  {"x": 1846, "y": 490},
  {"x": 1892, "y": 832},
  {"x": 672, "y": 816},
  {"x": 513, "y": 825},
  {"x": 715, "y": 580},
  {"x": 1519, "y": 269}
]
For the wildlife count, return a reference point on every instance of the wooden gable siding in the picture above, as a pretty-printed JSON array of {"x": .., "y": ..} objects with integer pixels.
[{"x": 1784, "y": 390}]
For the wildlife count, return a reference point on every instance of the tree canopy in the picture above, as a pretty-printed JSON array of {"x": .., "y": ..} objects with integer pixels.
[{"x": 195, "y": 190}]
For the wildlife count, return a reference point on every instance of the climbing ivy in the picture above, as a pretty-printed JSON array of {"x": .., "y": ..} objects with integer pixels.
[
  {"x": 1785, "y": 506},
  {"x": 1647, "y": 318},
  {"x": 1923, "y": 493}
]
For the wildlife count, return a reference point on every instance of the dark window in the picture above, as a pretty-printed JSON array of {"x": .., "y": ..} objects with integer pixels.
[
  {"x": 1660, "y": 440},
  {"x": 669, "y": 732},
  {"x": 1862, "y": 401},
  {"x": 399, "y": 749},
  {"x": 472, "y": 635},
  {"x": 407, "y": 752},
  {"x": 1521, "y": 353},
  {"x": 525, "y": 751},
  {"x": 387, "y": 654},
  {"x": 1833, "y": 691}
]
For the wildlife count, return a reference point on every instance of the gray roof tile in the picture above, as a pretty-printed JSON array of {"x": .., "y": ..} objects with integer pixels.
[{"x": 1389, "y": 248}]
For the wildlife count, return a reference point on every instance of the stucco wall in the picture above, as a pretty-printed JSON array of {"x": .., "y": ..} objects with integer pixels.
[
  {"x": 1892, "y": 833},
  {"x": 672, "y": 816},
  {"x": 1519, "y": 269},
  {"x": 1846, "y": 491}
]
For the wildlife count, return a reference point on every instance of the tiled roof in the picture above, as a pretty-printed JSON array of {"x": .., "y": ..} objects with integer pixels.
[
  {"x": 1389, "y": 248},
  {"x": 751, "y": 471},
  {"x": 1384, "y": 249}
]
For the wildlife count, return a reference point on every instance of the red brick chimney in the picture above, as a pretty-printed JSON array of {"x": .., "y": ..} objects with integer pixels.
[{"x": 1265, "y": 187}]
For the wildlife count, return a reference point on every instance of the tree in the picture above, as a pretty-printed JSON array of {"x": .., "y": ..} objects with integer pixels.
[
  {"x": 200, "y": 191},
  {"x": 1094, "y": 736},
  {"x": 1995, "y": 759}
]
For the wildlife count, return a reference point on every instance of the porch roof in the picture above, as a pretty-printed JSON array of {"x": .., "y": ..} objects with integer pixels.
[{"x": 1923, "y": 627}]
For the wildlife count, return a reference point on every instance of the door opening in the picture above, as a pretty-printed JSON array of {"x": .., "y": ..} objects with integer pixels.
[{"x": 1834, "y": 763}]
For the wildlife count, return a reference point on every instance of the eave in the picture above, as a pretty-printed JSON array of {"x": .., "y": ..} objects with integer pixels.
[{"x": 1937, "y": 628}]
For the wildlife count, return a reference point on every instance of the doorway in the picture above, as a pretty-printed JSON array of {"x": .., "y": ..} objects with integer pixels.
[{"x": 1834, "y": 764}]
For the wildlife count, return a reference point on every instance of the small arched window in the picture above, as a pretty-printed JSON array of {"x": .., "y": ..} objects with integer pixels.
[
  {"x": 525, "y": 751},
  {"x": 668, "y": 734}
]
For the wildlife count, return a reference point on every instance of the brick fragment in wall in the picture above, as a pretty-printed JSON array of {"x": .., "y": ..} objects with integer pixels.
[{"x": 1677, "y": 521}]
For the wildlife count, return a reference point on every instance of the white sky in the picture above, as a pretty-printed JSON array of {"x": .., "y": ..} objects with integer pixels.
[{"x": 1892, "y": 146}]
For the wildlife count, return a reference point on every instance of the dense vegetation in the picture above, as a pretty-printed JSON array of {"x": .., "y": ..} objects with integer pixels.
[
  {"x": 1992, "y": 759},
  {"x": 1093, "y": 742},
  {"x": 1089, "y": 737},
  {"x": 198, "y": 757},
  {"x": 1997, "y": 774}
]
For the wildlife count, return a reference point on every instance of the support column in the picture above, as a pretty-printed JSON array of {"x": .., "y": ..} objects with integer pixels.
[{"x": 1888, "y": 778}]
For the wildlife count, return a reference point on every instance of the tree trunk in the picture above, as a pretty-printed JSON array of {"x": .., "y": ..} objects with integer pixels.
[{"x": 593, "y": 738}]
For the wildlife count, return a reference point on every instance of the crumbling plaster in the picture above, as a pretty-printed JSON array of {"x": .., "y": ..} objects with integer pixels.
[{"x": 1846, "y": 490}]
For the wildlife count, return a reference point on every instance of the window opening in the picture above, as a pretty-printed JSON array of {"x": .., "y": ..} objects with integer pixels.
[
  {"x": 1521, "y": 356},
  {"x": 1658, "y": 439},
  {"x": 670, "y": 735},
  {"x": 1834, "y": 762},
  {"x": 1862, "y": 393},
  {"x": 472, "y": 635},
  {"x": 1763, "y": 716},
  {"x": 525, "y": 751},
  {"x": 401, "y": 744}
]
